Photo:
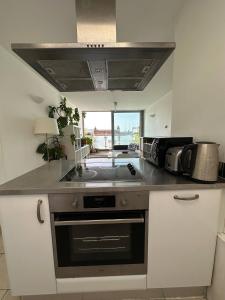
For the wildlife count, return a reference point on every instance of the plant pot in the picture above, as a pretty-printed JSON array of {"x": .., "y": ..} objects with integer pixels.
[{"x": 83, "y": 142}]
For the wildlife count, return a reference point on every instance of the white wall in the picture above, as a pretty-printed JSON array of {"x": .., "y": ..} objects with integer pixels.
[
  {"x": 20, "y": 87},
  {"x": 147, "y": 20},
  {"x": 199, "y": 72},
  {"x": 42, "y": 21},
  {"x": 158, "y": 117},
  {"x": 54, "y": 20}
]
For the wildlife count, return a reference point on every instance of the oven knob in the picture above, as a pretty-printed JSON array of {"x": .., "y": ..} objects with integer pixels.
[
  {"x": 75, "y": 203},
  {"x": 133, "y": 172},
  {"x": 123, "y": 202}
]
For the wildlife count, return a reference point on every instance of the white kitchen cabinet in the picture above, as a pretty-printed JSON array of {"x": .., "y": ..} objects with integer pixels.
[
  {"x": 182, "y": 238},
  {"x": 28, "y": 245}
]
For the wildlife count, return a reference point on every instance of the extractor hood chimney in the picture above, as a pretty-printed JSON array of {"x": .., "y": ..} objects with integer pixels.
[{"x": 97, "y": 62}]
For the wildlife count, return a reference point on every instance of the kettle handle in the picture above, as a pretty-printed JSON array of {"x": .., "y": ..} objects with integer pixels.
[{"x": 187, "y": 165}]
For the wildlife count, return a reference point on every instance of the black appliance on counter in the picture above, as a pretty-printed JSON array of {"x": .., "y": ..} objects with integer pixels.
[
  {"x": 99, "y": 234},
  {"x": 145, "y": 140},
  {"x": 160, "y": 145}
]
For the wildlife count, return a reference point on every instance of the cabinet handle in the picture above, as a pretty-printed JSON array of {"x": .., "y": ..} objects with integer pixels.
[
  {"x": 195, "y": 197},
  {"x": 40, "y": 220}
]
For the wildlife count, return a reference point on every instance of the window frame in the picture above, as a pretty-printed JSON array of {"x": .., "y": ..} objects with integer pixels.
[{"x": 113, "y": 112}]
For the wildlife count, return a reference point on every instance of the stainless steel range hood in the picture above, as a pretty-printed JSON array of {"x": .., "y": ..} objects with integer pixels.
[{"x": 97, "y": 62}]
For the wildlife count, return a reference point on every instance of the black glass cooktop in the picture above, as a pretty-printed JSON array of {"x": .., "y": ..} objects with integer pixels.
[{"x": 103, "y": 172}]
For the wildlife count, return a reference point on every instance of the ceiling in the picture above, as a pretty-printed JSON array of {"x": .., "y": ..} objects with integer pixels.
[{"x": 137, "y": 20}]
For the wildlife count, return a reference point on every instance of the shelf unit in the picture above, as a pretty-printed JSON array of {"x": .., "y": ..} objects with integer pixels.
[{"x": 73, "y": 148}]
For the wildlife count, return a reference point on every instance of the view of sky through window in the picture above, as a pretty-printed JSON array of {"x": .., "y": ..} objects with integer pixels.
[{"x": 126, "y": 128}]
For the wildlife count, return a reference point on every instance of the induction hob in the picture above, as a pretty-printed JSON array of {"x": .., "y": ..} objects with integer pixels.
[{"x": 103, "y": 172}]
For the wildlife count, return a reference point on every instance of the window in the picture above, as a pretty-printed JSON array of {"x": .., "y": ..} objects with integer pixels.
[
  {"x": 127, "y": 127},
  {"x": 113, "y": 128}
]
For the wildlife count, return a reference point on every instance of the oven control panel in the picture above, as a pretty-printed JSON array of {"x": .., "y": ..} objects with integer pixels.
[{"x": 99, "y": 201}]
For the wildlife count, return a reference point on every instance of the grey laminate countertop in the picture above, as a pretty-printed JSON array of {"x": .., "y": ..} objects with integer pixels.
[{"x": 46, "y": 179}]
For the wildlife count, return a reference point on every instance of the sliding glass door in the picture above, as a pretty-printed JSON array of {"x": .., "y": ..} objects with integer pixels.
[
  {"x": 127, "y": 127},
  {"x": 97, "y": 126},
  {"x": 107, "y": 128}
]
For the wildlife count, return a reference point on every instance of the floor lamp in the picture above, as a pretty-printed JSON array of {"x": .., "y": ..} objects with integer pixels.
[{"x": 46, "y": 126}]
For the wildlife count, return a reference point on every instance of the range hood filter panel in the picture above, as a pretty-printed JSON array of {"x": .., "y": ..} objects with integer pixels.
[
  {"x": 66, "y": 68},
  {"x": 129, "y": 68},
  {"x": 71, "y": 85},
  {"x": 124, "y": 84},
  {"x": 133, "y": 63}
]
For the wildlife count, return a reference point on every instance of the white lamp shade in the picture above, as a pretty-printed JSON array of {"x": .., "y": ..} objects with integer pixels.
[{"x": 46, "y": 126}]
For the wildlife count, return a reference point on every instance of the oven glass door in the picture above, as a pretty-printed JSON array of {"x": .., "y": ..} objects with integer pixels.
[{"x": 100, "y": 238}]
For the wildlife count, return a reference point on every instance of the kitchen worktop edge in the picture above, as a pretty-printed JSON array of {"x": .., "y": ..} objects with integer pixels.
[{"x": 45, "y": 180}]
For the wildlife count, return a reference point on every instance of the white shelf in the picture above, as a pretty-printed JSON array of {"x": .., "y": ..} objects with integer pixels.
[
  {"x": 74, "y": 151},
  {"x": 72, "y": 129}
]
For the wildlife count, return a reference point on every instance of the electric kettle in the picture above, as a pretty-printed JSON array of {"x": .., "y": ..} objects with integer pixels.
[{"x": 201, "y": 161}]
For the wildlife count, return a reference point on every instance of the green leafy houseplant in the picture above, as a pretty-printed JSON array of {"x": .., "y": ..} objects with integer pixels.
[
  {"x": 55, "y": 150},
  {"x": 65, "y": 116},
  {"x": 83, "y": 141},
  {"x": 89, "y": 141},
  {"x": 86, "y": 140}
]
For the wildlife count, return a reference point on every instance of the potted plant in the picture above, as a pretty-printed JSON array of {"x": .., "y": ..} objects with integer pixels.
[
  {"x": 87, "y": 140},
  {"x": 65, "y": 116},
  {"x": 83, "y": 141},
  {"x": 55, "y": 150}
]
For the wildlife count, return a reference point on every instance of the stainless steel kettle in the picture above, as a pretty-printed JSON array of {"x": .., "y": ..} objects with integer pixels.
[{"x": 201, "y": 161}]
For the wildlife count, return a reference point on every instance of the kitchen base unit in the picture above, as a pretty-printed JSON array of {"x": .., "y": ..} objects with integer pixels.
[
  {"x": 26, "y": 230},
  {"x": 101, "y": 284},
  {"x": 183, "y": 228}
]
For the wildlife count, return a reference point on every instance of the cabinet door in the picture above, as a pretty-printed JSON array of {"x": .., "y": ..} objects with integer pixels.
[
  {"x": 182, "y": 238},
  {"x": 28, "y": 245}
]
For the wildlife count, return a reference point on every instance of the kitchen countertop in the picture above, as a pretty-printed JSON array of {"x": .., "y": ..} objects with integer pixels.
[{"x": 46, "y": 180}]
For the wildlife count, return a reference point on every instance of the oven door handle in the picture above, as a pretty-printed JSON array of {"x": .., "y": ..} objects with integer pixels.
[{"x": 100, "y": 222}]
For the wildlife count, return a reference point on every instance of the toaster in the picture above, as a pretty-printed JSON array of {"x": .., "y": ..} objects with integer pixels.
[{"x": 173, "y": 160}]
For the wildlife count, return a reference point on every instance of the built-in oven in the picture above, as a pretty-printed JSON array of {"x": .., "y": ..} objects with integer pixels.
[{"x": 99, "y": 234}]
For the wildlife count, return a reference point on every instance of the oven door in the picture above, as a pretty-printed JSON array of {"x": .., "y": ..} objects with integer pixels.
[{"x": 100, "y": 243}]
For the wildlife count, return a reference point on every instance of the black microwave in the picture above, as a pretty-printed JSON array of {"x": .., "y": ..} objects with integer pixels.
[{"x": 159, "y": 146}]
